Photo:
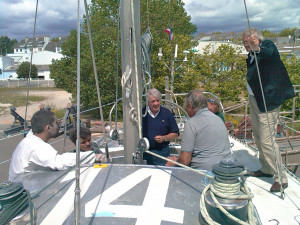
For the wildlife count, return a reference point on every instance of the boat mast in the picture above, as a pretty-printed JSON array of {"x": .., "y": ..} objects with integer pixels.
[{"x": 131, "y": 79}]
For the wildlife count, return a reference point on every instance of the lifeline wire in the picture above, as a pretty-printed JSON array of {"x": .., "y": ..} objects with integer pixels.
[{"x": 266, "y": 111}]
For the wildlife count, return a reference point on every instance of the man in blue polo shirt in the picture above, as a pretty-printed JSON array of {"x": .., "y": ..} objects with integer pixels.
[{"x": 159, "y": 127}]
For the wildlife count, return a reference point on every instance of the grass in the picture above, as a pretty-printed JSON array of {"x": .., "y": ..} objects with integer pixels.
[{"x": 17, "y": 96}]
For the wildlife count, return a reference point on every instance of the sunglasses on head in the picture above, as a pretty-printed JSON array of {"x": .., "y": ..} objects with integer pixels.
[{"x": 211, "y": 100}]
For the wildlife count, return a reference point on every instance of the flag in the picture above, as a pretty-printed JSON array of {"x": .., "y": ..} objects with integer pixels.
[{"x": 170, "y": 33}]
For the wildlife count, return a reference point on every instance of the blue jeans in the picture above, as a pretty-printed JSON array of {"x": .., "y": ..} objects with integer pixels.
[{"x": 153, "y": 160}]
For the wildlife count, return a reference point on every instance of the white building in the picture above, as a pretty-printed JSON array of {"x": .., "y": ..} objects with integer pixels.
[
  {"x": 43, "y": 52},
  {"x": 40, "y": 59},
  {"x": 38, "y": 44},
  {"x": 4, "y": 63},
  {"x": 214, "y": 45}
]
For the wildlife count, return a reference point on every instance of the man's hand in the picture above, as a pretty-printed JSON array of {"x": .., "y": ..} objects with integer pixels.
[
  {"x": 253, "y": 43},
  {"x": 101, "y": 158},
  {"x": 174, "y": 158},
  {"x": 159, "y": 138}
]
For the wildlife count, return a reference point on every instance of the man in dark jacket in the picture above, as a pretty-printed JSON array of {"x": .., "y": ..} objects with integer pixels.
[{"x": 265, "y": 98}]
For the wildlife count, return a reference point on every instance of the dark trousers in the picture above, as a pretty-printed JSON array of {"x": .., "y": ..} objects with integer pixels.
[{"x": 153, "y": 160}]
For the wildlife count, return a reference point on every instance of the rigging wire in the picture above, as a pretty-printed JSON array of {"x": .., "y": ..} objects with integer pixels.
[
  {"x": 169, "y": 13},
  {"x": 94, "y": 65},
  {"x": 30, "y": 65},
  {"x": 148, "y": 20},
  {"x": 117, "y": 67},
  {"x": 138, "y": 110},
  {"x": 266, "y": 111},
  {"x": 77, "y": 168}
]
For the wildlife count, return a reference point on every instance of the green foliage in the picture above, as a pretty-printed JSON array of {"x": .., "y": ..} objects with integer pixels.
[
  {"x": 267, "y": 33},
  {"x": 55, "y": 39},
  {"x": 103, "y": 22},
  {"x": 287, "y": 31},
  {"x": 223, "y": 72},
  {"x": 164, "y": 14},
  {"x": 292, "y": 65},
  {"x": 23, "y": 70},
  {"x": 6, "y": 45}
]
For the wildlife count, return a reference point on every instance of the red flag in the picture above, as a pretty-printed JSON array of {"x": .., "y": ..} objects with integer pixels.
[{"x": 170, "y": 33}]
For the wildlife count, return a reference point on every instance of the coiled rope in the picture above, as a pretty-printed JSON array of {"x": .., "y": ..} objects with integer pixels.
[
  {"x": 19, "y": 202},
  {"x": 126, "y": 86},
  {"x": 227, "y": 191}
]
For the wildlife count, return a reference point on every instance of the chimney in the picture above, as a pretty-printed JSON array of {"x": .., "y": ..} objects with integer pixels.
[{"x": 46, "y": 39}]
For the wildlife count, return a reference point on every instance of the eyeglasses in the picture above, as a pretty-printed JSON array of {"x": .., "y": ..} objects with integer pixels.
[{"x": 211, "y": 100}]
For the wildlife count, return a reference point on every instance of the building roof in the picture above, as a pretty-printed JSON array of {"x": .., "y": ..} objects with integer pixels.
[
  {"x": 31, "y": 42},
  {"x": 52, "y": 45},
  {"x": 214, "y": 45},
  {"x": 15, "y": 67},
  {"x": 39, "y": 42}
]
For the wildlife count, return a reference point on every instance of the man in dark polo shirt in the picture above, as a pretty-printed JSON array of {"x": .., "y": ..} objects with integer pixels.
[{"x": 159, "y": 127}]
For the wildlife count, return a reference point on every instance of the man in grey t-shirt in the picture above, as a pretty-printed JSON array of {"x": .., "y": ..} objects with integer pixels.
[{"x": 205, "y": 139}]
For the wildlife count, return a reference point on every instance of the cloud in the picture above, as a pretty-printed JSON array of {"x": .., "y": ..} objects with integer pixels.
[
  {"x": 57, "y": 17},
  {"x": 54, "y": 18},
  {"x": 230, "y": 15}
]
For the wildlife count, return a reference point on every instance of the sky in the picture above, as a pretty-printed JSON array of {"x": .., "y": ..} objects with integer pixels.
[{"x": 56, "y": 17}]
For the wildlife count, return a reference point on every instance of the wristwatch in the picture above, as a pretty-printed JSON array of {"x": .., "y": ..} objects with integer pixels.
[{"x": 165, "y": 137}]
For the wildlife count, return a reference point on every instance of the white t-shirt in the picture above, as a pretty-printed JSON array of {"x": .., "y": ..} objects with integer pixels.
[{"x": 33, "y": 154}]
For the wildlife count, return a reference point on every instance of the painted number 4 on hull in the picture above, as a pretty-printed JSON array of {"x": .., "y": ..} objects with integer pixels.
[{"x": 152, "y": 211}]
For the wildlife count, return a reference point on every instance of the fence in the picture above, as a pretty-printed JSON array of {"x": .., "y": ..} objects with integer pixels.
[{"x": 23, "y": 83}]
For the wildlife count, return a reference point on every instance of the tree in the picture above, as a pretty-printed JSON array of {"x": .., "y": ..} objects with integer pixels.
[
  {"x": 103, "y": 21},
  {"x": 23, "y": 70},
  {"x": 267, "y": 33},
  {"x": 7, "y": 45},
  {"x": 292, "y": 65},
  {"x": 224, "y": 73},
  {"x": 287, "y": 31},
  {"x": 55, "y": 39}
]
